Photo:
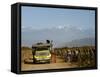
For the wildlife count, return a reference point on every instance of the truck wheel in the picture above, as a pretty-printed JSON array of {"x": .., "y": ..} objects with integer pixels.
[
  {"x": 48, "y": 62},
  {"x": 34, "y": 61}
]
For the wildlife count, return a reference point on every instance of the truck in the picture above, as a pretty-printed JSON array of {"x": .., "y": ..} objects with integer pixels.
[{"x": 41, "y": 53}]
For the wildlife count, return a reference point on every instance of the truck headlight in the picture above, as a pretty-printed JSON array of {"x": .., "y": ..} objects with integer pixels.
[
  {"x": 49, "y": 56},
  {"x": 36, "y": 57}
]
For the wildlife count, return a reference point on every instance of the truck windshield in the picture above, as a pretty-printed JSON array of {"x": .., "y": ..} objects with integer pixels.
[
  {"x": 42, "y": 53},
  {"x": 40, "y": 49}
]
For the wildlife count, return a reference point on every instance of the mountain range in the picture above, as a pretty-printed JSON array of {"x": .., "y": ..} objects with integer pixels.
[{"x": 61, "y": 36}]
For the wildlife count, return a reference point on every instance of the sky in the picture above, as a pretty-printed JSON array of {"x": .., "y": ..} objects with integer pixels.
[{"x": 39, "y": 18}]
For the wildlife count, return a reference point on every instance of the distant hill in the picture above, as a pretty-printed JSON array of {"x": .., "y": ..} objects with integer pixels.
[{"x": 81, "y": 42}]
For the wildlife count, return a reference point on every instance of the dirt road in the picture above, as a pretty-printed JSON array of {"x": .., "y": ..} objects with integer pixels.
[
  {"x": 59, "y": 64},
  {"x": 26, "y": 67}
]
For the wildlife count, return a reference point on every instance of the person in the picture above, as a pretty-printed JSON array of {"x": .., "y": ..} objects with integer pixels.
[
  {"x": 75, "y": 56},
  {"x": 69, "y": 55},
  {"x": 53, "y": 57},
  {"x": 65, "y": 56}
]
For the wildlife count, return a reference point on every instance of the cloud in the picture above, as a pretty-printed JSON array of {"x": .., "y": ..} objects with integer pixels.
[
  {"x": 23, "y": 27},
  {"x": 60, "y": 27}
]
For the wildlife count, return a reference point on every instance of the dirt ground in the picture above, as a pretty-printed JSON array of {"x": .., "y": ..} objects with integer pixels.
[{"x": 27, "y": 55}]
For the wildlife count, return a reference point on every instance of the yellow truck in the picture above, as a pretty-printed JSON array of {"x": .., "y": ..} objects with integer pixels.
[{"x": 41, "y": 53}]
